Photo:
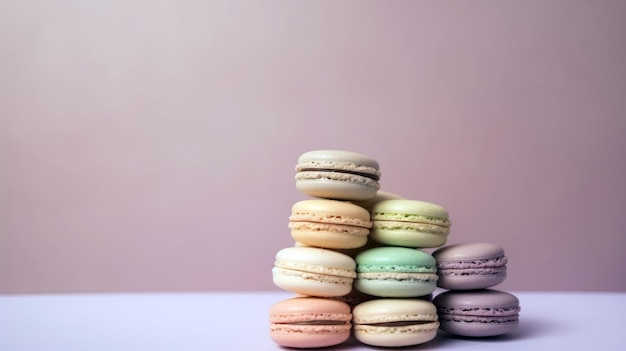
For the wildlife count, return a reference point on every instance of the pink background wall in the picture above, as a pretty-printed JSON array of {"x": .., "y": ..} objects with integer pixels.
[{"x": 150, "y": 146}]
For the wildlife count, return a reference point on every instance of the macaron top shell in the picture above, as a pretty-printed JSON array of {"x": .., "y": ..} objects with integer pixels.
[
  {"x": 410, "y": 211},
  {"x": 468, "y": 251},
  {"x": 316, "y": 260},
  {"x": 484, "y": 302},
  {"x": 392, "y": 259},
  {"x": 394, "y": 310},
  {"x": 310, "y": 310},
  {"x": 339, "y": 160},
  {"x": 330, "y": 211}
]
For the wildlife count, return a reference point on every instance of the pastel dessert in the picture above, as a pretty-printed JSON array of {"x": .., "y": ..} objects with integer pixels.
[
  {"x": 314, "y": 271},
  {"x": 329, "y": 223},
  {"x": 337, "y": 174},
  {"x": 395, "y": 272},
  {"x": 470, "y": 266},
  {"x": 308, "y": 322},
  {"x": 477, "y": 313},
  {"x": 409, "y": 223},
  {"x": 395, "y": 322}
]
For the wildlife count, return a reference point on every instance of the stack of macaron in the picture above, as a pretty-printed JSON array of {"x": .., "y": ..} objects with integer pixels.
[
  {"x": 357, "y": 263},
  {"x": 469, "y": 307}
]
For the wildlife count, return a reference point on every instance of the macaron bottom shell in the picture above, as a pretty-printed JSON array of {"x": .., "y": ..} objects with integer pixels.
[
  {"x": 329, "y": 240},
  {"x": 408, "y": 238},
  {"x": 312, "y": 284},
  {"x": 395, "y": 336},
  {"x": 473, "y": 327},
  {"x": 469, "y": 281},
  {"x": 337, "y": 189},
  {"x": 309, "y": 336},
  {"x": 400, "y": 287}
]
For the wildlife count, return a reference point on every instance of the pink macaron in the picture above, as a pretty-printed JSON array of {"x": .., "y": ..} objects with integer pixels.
[{"x": 310, "y": 322}]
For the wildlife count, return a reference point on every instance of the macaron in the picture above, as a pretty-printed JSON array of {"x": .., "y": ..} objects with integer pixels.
[
  {"x": 337, "y": 174},
  {"x": 314, "y": 271},
  {"x": 477, "y": 313},
  {"x": 388, "y": 271},
  {"x": 409, "y": 223},
  {"x": 307, "y": 322},
  {"x": 470, "y": 266},
  {"x": 329, "y": 223},
  {"x": 395, "y": 322}
]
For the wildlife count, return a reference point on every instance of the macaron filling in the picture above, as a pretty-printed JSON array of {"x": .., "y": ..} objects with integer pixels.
[
  {"x": 374, "y": 176},
  {"x": 404, "y": 268},
  {"x": 410, "y": 217},
  {"x": 496, "y": 262},
  {"x": 337, "y": 176},
  {"x": 484, "y": 315},
  {"x": 398, "y": 276}
]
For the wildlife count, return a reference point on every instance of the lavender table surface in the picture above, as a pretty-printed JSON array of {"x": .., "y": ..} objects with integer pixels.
[{"x": 238, "y": 321}]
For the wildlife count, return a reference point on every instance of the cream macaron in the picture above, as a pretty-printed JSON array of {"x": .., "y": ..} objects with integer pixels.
[
  {"x": 314, "y": 271},
  {"x": 329, "y": 223},
  {"x": 395, "y": 322},
  {"x": 337, "y": 174}
]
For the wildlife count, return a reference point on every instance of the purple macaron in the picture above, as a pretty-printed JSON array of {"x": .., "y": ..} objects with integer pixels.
[
  {"x": 477, "y": 313},
  {"x": 470, "y": 266}
]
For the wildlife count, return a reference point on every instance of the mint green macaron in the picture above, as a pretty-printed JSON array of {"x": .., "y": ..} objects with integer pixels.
[{"x": 395, "y": 272}]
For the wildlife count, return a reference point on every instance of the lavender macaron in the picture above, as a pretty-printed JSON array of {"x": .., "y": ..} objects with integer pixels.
[
  {"x": 470, "y": 266},
  {"x": 477, "y": 313}
]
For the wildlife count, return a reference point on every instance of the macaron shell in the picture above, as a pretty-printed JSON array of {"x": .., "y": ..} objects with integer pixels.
[
  {"x": 331, "y": 212},
  {"x": 339, "y": 186},
  {"x": 316, "y": 260},
  {"x": 395, "y": 259},
  {"x": 470, "y": 281},
  {"x": 394, "y": 310},
  {"x": 407, "y": 234},
  {"x": 327, "y": 236},
  {"x": 309, "y": 309},
  {"x": 338, "y": 160},
  {"x": 396, "y": 284},
  {"x": 410, "y": 210},
  {"x": 468, "y": 252},
  {"x": 311, "y": 284},
  {"x": 396, "y": 337}
]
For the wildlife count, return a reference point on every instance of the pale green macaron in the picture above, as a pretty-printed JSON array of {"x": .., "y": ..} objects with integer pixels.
[
  {"x": 395, "y": 272},
  {"x": 410, "y": 223}
]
